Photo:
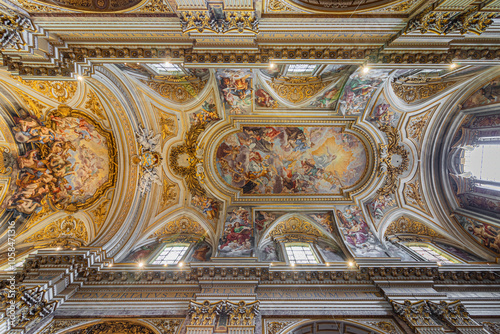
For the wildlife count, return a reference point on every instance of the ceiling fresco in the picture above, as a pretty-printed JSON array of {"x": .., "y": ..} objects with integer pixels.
[{"x": 234, "y": 160}]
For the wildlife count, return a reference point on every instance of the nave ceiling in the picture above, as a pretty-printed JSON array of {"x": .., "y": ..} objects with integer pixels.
[{"x": 146, "y": 153}]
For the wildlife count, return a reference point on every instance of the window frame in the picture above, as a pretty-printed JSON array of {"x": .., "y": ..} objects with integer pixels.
[
  {"x": 437, "y": 250},
  {"x": 316, "y": 256},
  {"x": 153, "y": 258}
]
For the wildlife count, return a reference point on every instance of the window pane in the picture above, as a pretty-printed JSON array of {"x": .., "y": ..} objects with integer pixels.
[
  {"x": 431, "y": 255},
  {"x": 166, "y": 68},
  {"x": 301, "y": 69},
  {"x": 483, "y": 162},
  {"x": 300, "y": 254},
  {"x": 171, "y": 254}
]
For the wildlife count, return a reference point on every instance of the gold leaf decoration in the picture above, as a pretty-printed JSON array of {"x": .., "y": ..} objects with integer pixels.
[
  {"x": 94, "y": 104},
  {"x": 405, "y": 225},
  {"x": 34, "y": 106},
  {"x": 182, "y": 225},
  {"x": 4, "y": 169},
  {"x": 415, "y": 92},
  {"x": 167, "y": 126},
  {"x": 100, "y": 213},
  {"x": 155, "y": 6},
  {"x": 394, "y": 160},
  {"x": 67, "y": 227},
  {"x": 38, "y": 216},
  {"x": 297, "y": 89},
  {"x": 184, "y": 89},
  {"x": 278, "y": 6},
  {"x": 169, "y": 194},
  {"x": 61, "y": 91},
  {"x": 183, "y": 159},
  {"x": 295, "y": 226},
  {"x": 416, "y": 125}
]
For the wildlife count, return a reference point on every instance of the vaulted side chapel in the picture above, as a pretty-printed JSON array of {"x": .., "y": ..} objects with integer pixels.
[{"x": 249, "y": 166}]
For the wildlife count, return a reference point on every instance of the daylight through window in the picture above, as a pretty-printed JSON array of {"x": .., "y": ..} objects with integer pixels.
[
  {"x": 300, "y": 253},
  {"x": 430, "y": 254},
  {"x": 483, "y": 162},
  {"x": 171, "y": 254}
]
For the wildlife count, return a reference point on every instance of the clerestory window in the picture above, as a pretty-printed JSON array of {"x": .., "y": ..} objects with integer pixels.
[
  {"x": 483, "y": 163},
  {"x": 431, "y": 254},
  {"x": 300, "y": 253},
  {"x": 171, "y": 254}
]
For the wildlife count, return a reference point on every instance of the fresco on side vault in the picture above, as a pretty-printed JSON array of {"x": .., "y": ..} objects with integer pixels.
[
  {"x": 488, "y": 94},
  {"x": 202, "y": 251},
  {"x": 268, "y": 252},
  {"x": 359, "y": 90},
  {"x": 206, "y": 114},
  {"x": 380, "y": 205},
  {"x": 331, "y": 252},
  {"x": 486, "y": 234},
  {"x": 460, "y": 253},
  {"x": 69, "y": 161},
  {"x": 141, "y": 254},
  {"x": 263, "y": 99},
  {"x": 235, "y": 87},
  {"x": 383, "y": 113},
  {"x": 291, "y": 160},
  {"x": 237, "y": 239},
  {"x": 328, "y": 100},
  {"x": 359, "y": 237},
  {"x": 265, "y": 218}
]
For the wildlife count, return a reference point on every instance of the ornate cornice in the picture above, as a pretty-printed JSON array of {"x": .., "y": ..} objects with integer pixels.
[{"x": 12, "y": 26}]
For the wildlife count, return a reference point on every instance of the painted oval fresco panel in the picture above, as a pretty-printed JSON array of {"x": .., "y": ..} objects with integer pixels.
[{"x": 291, "y": 160}]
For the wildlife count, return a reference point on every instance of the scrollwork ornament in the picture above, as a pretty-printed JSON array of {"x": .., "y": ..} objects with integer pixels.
[
  {"x": 149, "y": 160},
  {"x": 415, "y": 314}
]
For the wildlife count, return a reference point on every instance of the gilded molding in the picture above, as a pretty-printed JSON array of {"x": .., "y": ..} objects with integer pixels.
[
  {"x": 274, "y": 327},
  {"x": 58, "y": 325},
  {"x": 404, "y": 225},
  {"x": 34, "y": 106},
  {"x": 394, "y": 160},
  {"x": 169, "y": 194},
  {"x": 63, "y": 228}
]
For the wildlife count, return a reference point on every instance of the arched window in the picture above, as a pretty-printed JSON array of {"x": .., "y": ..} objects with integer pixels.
[
  {"x": 171, "y": 254},
  {"x": 431, "y": 253}
]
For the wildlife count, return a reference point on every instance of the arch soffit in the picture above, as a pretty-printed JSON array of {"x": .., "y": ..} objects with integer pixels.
[
  {"x": 437, "y": 183},
  {"x": 69, "y": 330}
]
